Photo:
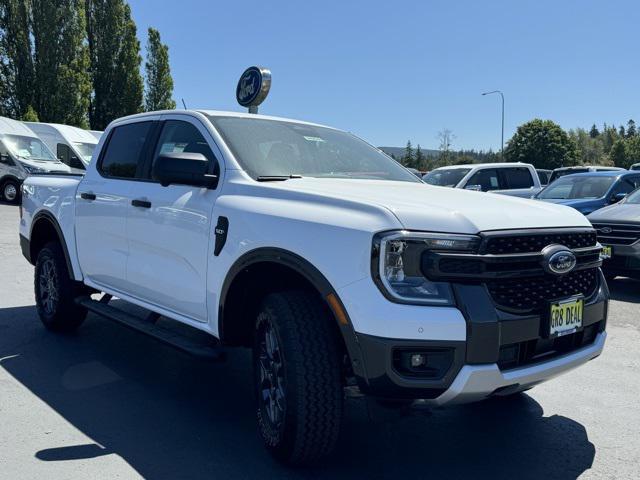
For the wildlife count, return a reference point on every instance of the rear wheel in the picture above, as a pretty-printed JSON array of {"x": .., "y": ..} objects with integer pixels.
[
  {"x": 297, "y": 378},
  {"x": 56, "y": 291},
  {"x": 10, "y": 191}
]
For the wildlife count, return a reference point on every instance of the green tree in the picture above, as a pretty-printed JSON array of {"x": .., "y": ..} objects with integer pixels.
[
  {"x": 62, "y": 84},
  {"x": 633, "y": 150},
  {"x": 631, "y": 129},
  {"x": 16, "y": 59},
  {"x": 542, "y": 143},
  {"x": 408, "y": 157},
  {"x": 420, "y": 159},
  {"x": 594, "y": 132},
  {"x": 159, "y": 91},
  {"x": 114, "y": 52},
  {"x": 618, "y": 154},
  {"x": 30, "y": 115}
]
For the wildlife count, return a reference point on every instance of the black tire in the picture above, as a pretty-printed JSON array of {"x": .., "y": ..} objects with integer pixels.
[
  {"x": 299, "y": 388},
  {"x": 56, "y": 291},
  {"x": 10, "y": 191}
]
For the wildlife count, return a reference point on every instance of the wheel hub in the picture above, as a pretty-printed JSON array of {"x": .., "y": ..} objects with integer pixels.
[
  {"x": 10, "y": 192},
  {"x": 48, "y": 286},
  {"x": 271, "y": 377}
]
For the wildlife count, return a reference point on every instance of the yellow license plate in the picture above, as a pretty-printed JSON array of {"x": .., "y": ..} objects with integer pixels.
[
  {"x": 607, "y": 252},
  {"x": 566, "y": 317}
]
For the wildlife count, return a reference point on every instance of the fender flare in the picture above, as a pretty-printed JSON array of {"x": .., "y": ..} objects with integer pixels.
[
  {"x": 309, "y": 272},
  {"x": 46, "y": 216}
]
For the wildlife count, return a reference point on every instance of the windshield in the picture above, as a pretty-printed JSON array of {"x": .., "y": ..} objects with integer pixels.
[
  {"x": 271, "y": 148},
  {"x": 85, "y": 150},
  {"x": 633, "y": 198},
  {"x": 449, "y": 177},
  {"x": 28, "y": 147},
  {"x": 574, "y": 187}
]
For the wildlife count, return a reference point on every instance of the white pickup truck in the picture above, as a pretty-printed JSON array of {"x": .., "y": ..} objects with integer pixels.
[
  {"x": 514, "y": 179},
  {"x": 337, "y": 266}
]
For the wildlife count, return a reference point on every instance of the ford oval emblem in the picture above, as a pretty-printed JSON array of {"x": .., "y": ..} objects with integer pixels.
[
  {"x": 253, "y": 86},
  {"x": 605, "y": 229},
  {"x": 558, "y": 259}
]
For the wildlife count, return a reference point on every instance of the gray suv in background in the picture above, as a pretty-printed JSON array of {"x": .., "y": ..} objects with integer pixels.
[{"x": 618, "y": 229}]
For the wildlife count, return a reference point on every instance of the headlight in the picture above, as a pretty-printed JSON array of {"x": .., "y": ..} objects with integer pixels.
[
  {"x": 397, "y": 265},
  {"x": 32, "y": 170}
]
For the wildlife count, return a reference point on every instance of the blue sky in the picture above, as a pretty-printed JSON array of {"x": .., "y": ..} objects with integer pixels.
[{"x": 396, "y": 70}]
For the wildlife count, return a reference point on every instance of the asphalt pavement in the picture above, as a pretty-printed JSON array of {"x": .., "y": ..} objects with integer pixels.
[{"x": 107, "y": 402}]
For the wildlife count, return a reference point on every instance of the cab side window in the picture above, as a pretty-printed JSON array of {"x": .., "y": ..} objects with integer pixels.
[
  {"x": 63, "y": 152},
  {"x": 623, "y": 186},
  {"x": 518, "y": 177},
  {"x": 178, "y": 136},
  {"x": 486, "y": 178},
  {"x": 123, "y": 152}
]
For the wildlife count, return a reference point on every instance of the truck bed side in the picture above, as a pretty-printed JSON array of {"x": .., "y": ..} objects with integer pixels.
[{"x": 51, "y": 199}]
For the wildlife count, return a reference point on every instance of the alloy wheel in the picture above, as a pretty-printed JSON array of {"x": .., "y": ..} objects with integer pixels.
[
  {"x": 271, "y": 377},
  {"x": 48, "y": 284}
]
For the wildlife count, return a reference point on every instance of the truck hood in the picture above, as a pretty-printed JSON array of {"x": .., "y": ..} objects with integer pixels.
[
  {"x": 419, "y": 206},
  {"x": 622, "y": 213},
  {"x": 48, "y": 165}
]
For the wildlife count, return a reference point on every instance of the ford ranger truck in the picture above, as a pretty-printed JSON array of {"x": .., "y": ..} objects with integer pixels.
[{"x": 338, "y": 267}]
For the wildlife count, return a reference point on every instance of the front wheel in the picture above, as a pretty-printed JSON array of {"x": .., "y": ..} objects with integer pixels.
[
  {"x": 297, "y": 377},
  {"x": 10, "y": 191},
  {"x": 56, "y": 291}
]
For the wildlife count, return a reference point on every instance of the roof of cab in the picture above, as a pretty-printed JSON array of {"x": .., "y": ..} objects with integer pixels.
[
  {"x": 605, "y": 173},
  {"x": 73, "y": 134},
  {"x": 484, "y": 165},
  {"x": 9, "y": 126},
  {"x": 219, "y": 113}
]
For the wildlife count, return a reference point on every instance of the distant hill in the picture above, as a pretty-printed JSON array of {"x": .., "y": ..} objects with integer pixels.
[{"x": 398, "y": 152}]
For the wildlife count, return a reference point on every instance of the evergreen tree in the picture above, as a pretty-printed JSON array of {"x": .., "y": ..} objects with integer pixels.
[
  {"x": 16, "y": 59},
  {"x": 62, "y": 85},
  {"x": 159, "y": 91},
  {"x": 420, "y": 159},
  {"x": 631, "y": 129},
  {"x": 114, "y": 52},
  {"x": 593, "y": 133},
  {"x": 621, "y": 132},
  {"x": 618, "y": 154},
  {"x": 408, "y": 158}
]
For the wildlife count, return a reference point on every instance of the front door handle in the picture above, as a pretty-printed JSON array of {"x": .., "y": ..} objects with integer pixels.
[
  {"x": 88, "y": 196},
  {"x": 141, "y": 203}
]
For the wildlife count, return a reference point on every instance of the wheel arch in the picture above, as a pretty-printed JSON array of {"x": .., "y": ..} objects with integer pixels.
[
  {"x": 237, "y": 303},
  {"x": 45, "y": 228}
]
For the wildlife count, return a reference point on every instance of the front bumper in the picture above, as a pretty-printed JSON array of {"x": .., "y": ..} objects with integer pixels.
[{"x": 481, "y": 364}]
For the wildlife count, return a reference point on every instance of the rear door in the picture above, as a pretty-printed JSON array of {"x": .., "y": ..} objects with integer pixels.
[
  {"x": 517, "y": 181},
  {"x": 486, "y": 179},
  {"x": 170, "y": 230},
  {"x": 103, "y": 201}
]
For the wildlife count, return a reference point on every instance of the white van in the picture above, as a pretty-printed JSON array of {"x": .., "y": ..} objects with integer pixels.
[
  {"x": 96, "y": 133},
  {"x": 22, "y": 153},
  {"x": 72, "y": 145}
]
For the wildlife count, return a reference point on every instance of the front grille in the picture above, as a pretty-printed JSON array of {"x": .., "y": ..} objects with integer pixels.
[
  {"x": 532, "y": 294},
  {"x": 535, "y": 242},
  {"x": 541, "y": 349},
  {"x": 617, "y": 233}
]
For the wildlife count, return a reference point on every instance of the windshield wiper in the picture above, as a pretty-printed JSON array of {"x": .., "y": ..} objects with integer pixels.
[{"x": 276, "y": 178}]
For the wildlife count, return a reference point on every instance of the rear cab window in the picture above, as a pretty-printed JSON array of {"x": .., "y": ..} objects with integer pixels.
[{"x": 516, "y": 177}]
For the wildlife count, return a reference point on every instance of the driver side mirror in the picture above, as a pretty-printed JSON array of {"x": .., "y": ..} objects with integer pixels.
[
  {"x": 618, "y": 197},
  {"x": 183, "y": 168},
  {"x": 475, "y": 188}
]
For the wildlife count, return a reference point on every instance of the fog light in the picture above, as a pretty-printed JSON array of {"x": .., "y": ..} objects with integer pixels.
[{"x": 418, "y": 360}]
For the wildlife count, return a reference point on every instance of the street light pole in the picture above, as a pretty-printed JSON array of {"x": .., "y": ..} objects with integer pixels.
[{"x": 502, "y": 136}]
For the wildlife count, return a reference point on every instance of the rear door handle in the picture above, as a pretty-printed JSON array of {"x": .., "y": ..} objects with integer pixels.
[
  {"x": 88, "y": 196},
  {"x": 141, "y": 203}
]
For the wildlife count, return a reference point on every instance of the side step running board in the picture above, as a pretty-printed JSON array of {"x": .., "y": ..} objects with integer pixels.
[{"x": 201, "y": 346}]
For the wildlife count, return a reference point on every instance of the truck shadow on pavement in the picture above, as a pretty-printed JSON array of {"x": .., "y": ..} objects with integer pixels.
[{"x": 170, "y": 416}]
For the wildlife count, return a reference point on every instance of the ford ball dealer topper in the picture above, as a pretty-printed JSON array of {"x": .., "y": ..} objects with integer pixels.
[{"x": 332, "y": 262}]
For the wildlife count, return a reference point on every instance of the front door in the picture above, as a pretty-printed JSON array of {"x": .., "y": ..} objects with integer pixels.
[
  {"x": 170, "y": 228},
  {"x": 103, "y": 201}
]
